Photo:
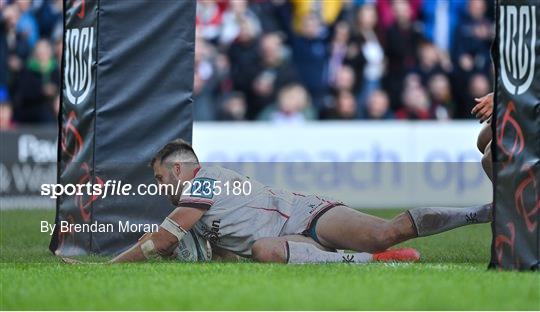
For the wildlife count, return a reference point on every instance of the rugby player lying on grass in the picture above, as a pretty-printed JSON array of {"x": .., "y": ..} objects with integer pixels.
[{"x": 270, "y": 225}]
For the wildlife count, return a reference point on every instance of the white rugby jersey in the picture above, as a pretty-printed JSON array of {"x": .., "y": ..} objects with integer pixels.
[{"x": 235, "y": 222}]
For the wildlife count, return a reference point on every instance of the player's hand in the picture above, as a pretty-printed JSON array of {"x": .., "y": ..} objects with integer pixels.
[{"x": 483, "y": 108}]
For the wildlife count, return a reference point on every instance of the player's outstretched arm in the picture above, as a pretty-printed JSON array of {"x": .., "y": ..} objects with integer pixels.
[
  {"x": 162, "y": 243},
  {"x": 484, "y": 107}
]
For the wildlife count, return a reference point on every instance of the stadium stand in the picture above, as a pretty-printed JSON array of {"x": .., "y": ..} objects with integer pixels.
[{"x": 333, "y": 60}]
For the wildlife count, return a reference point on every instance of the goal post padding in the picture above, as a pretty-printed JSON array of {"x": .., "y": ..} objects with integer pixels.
[
  {"x": 127, "y": 77},
  {"x": 516, "y": 148}
]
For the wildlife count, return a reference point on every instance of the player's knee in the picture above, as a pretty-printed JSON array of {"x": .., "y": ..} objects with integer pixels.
[{"x": 268, "y": 250}]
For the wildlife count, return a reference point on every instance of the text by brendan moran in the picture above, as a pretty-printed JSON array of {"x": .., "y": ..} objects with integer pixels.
[{"x": 95, "y": 227}]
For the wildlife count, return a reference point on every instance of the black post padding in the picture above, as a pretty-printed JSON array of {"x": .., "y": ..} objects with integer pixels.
[
  {"x": 516, "y": 144},
  {"x": 127, "y": 86}
]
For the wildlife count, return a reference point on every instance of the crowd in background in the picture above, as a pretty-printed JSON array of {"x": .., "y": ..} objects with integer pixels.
[
  {"x": 286, "y": 61},
  {"x": 30, "y": 54}
]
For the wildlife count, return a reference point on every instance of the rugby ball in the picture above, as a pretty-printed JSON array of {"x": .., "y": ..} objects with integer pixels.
[{"x": 193, "y": 248}]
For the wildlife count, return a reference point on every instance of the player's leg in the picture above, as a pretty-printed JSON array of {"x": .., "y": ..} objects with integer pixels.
[
  {"x": 275, "y": 249},
  {"x": 295, "y": 249},
  {"x": 487, "y": 161},
  {"x": 484, "y": 146},
  {"x": 484, "y": 138},
  {"x": 345, "y": 228},
  {"x": 433, "y": 220}
]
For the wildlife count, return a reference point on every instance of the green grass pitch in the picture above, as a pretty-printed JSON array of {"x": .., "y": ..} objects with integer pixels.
[{"x": 451, "y": 276}]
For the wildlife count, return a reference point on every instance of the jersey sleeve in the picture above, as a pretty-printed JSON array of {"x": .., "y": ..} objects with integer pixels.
[
  {"x": 199, "y": 193},
  {"x": 195, "y": 203}
]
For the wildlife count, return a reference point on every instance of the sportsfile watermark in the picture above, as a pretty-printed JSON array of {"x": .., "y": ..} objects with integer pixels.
[
  {"x": 196, "y": 187},
  {"x": 361, "y": 185}
]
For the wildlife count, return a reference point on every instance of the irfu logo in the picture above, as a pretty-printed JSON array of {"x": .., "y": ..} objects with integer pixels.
[
  {"x": 78, "y": 62},
  {"x": 516, "y": 47}
]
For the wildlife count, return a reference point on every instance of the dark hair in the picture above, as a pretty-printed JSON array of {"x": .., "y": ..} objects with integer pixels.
[{"x": 175, "y": 146}]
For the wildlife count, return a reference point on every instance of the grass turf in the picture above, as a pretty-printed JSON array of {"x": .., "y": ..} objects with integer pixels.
[{"x": 451, "y": 275}]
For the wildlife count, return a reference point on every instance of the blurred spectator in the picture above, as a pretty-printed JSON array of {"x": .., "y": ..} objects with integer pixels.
[
  {"x": 265, "y": 11},
  {"x": 18, "y": 47},
  {"x": 338, "y": 50},
  {"x": 4, "y": 95},
  {"x": 388, "y": 14},
  {"x": 6, "y": 114},
  {"x": 49, "y": 15},
  {"x": 3, "y": 48},
  {"x": 365, "y": 54},
  {"x": 431, "y": 61},
  {"x": 401, "y": 46},
  {"x": 234, "y": 107},
  {"x": 344, "y": 107},
  {"x": 416, "y": 104},
  {"x": 472, "y": 51},
  {"x": 293, "y": 106},
  {"x": 209, "y": 70},
  {"x": 209, "y": 18},
  {"x": 327, "y": 12},
  {"x": 57, "y": 41},
  {"x": 474, "y": 36},
  {"x": 479, "y": 85},
  {"x": 27, "y": 24},
  {"x": 6, "y": 111},
  {"x": 441, "y": 95},
  {"x": 273, "y": 71},
  {"x": 37, "y": 86},
  {"x": 309, "y": 46},
  {"x": 237, "y": 13},
  {"x": 441, "y": 18},
  {"x": 243, "y": 54},
  {"x": 344, "y": 80},
  {"x": 378, "y": 106}
]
